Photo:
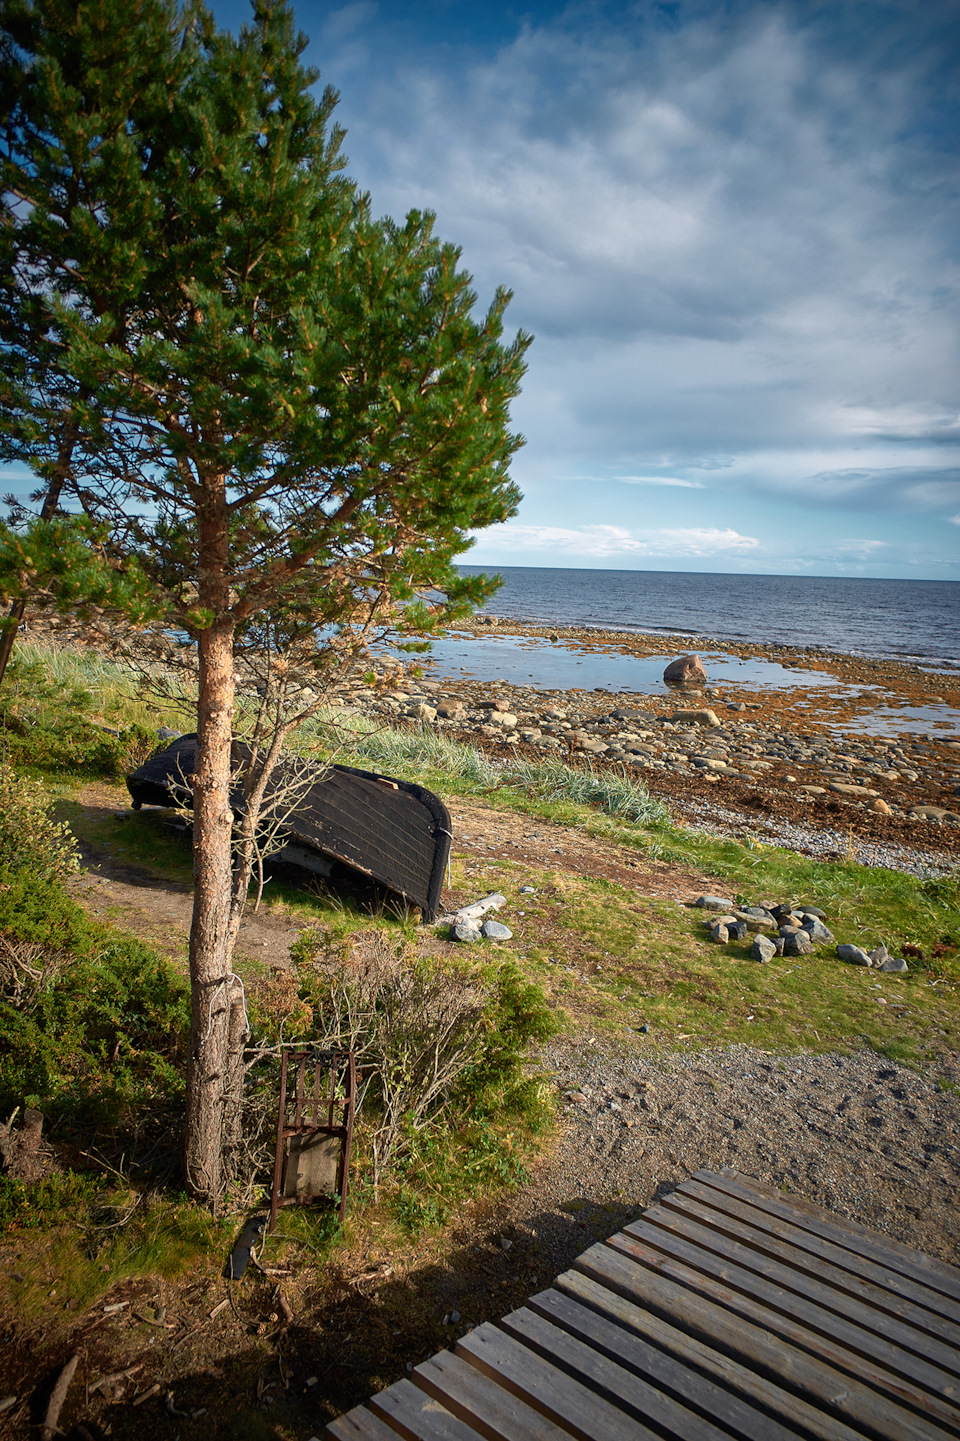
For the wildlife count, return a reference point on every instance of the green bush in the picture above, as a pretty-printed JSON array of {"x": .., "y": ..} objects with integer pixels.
[
  {"x": 45, "y": 725},
  {"x": 443, "y": 1048},
  {"x": 90, "y": 1020},
  {"x": 29, "y": 838}
]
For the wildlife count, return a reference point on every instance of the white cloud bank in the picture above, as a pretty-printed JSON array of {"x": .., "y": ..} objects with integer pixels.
[{"x": 599, "y": 542}]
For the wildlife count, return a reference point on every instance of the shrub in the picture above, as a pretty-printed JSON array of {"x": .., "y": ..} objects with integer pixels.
[
  {"x": 442, "y": 1045},
  {"x": 29, "y": 838},
  {"x": 89, "y": 1018}
]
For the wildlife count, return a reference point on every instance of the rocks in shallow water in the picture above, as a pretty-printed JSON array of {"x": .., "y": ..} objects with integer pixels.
[
  {"x": 856, "y": 955},
  {"x": 684, "y": 670},
  {"x": 763, "y": 949}
]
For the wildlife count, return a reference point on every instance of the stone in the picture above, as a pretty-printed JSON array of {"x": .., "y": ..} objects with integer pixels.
[
  {"x": 737, "y": 930},
  {"x": 502, "y": 718},
  {"x": 819, "y": 934},
  {"x": 927, "y": 813},
  {"x": 762, "y": 950},
  {"x": 756, "y": 923},
  {"x": 496, "y": 931},
  {"x": 422, "y": 711},
  {"x": 894, "y": 964},
  {"x": 713, "y": 903},
  {"x": 812, "y": 790},
  {"x": 684, "y": 669},
  {"x": 844, "y": 788},
  {"x": 797, "y": 944},
  {"x": 856, "y": 955},
  {"x": 451, "y": 710},
  {"x": 719, "y": 933},
  {"x": 164, "y": 733},
  {"x": 703, "y": 717},
  {"x": 878, "y": 955},
  {"x": 465, "y": 931}
]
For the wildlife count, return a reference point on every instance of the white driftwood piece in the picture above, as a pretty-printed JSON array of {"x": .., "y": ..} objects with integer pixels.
[{"x": 473, "y": 912}]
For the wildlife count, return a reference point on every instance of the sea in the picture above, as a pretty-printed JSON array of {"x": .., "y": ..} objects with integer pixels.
[
  {"x": 911, "y": 620},
  {"x": 916, "y": 622}
]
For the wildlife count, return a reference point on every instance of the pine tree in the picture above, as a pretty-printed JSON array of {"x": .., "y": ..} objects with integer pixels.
[{"x": 279, "y": 405}]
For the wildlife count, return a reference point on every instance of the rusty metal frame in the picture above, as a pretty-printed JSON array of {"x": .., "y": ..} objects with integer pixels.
[{"x": 340, "y": 1066}]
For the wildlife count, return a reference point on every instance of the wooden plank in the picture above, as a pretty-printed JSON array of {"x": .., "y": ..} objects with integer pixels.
[
  {"x": 785, "y": 1292},
  {"x": 417, "y": 1416},
  {"x": 544, "y": 1387},
  {"x": 743, "y": 1380},
  {"x": 662, "y": 1371},
  {"x": 852, "y": 1296},
  {"x": 815, "y": 1367},
  {"x": 941, "y": 1316},
  {"x": 495, "y": 1413},
  {"x": 938, "y": 1275},
  {"x": 629, "y": 1392},
  {"x": 360, "y": 1425}
]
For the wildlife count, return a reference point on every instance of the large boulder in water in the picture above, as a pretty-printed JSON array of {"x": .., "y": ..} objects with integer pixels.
[{"x": 686, "y": 670}]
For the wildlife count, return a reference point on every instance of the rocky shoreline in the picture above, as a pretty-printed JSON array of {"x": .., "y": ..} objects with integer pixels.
[{"x": 730, "y": 758}]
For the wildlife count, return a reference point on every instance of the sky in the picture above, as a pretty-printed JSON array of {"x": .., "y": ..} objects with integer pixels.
[{"x": 732, "y": 227}]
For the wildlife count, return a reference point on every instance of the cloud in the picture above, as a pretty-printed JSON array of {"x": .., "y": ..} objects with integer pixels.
[
  {"x": 603, "y": 541},
  {"x": 731, "y": 228},
  {"x": 668, "y": 480}
]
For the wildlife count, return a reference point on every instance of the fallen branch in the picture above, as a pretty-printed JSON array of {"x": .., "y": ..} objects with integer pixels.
[
  {"x": 145, "y": 1395},
  {"x": 58, "y": 1395},
  {"x": 114, "y": 1377}
]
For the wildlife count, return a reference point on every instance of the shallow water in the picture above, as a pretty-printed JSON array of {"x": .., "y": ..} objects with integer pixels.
[{"x": 569, "y": 666}]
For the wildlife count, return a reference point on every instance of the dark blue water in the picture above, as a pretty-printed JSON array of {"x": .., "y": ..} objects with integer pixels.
[{"x": 916, "y": 620}]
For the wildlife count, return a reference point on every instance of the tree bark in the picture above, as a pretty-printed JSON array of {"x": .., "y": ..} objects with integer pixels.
[{"x": 218, "y": 1027}]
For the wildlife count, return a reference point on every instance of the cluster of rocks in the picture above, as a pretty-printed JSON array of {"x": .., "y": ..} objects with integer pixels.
[
  {"x": 785, "y": 930},
  {"x": 687, "y": 741}
]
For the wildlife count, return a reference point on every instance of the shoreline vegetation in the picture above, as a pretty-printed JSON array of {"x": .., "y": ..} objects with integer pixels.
[{"x": 600, "y": 857}]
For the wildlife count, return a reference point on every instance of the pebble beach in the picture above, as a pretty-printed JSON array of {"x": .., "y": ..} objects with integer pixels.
[{"x": 837, "y": 756}]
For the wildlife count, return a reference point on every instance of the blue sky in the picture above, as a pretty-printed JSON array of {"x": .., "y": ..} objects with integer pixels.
[{"x": 733, "y": 229}]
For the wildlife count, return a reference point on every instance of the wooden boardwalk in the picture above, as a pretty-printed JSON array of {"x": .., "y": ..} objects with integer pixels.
[{"x": 729, "y": 1309}]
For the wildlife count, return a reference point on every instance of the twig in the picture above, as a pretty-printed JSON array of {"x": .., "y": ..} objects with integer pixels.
[
  {"x": 114, "y": 1377},
  {"x": 145, "y": 1395},
  {"x": 58, "y": 1395}
]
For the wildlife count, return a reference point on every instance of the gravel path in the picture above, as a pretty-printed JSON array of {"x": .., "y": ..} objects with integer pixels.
[{"x": 857, "y": 1134}]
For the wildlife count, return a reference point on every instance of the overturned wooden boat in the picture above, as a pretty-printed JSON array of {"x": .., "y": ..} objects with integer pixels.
[{"x": 389, "y": 831}]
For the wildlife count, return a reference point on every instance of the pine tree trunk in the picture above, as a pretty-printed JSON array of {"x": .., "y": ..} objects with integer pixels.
[{"x": 218, "y": 1024}]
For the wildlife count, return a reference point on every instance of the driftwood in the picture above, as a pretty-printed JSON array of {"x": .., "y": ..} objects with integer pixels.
[{"x": 49, "y": 1427}]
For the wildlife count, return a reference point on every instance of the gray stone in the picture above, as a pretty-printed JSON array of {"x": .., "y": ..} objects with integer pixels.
[
  {"x": 164, "y": 733},
  {"x": 719, "y": 933},
  {"x": 860, "y": 792},
  {"x": 797, "y": 944},
  {"x": 892, "y": 964},
  {"x": 819, "y": 934},
  {"x": 813, "y": 911},
  {"x": 422, "y": 711},
  {"x": 703, "y": 717},
  {"x": 713, "y": 903},
  {"x": 465, "y": 931},
  {"x": 762, "y": 949},
  {"x": 496, "y": 931},
  {"x": 856, "y": 955},
  {"x": 756, "y": 923},
  {"x": 878, "y": 955},
  {"x": 737, "y": 930}
]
